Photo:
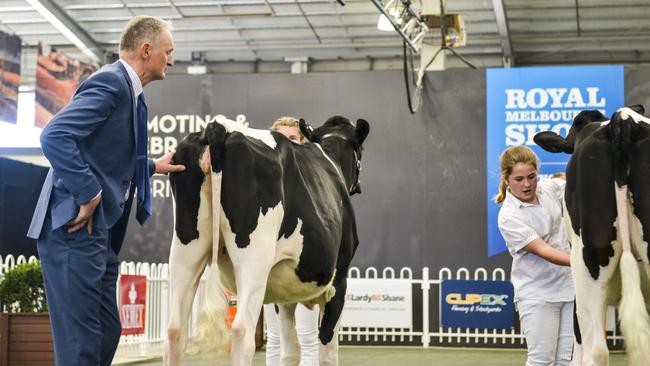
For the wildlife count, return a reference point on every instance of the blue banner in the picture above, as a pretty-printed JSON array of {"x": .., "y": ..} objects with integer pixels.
[
  {"x": 524, "y": 101},
  {"x": 476, "y": 304}
]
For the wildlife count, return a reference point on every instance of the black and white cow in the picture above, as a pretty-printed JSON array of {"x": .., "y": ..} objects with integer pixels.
[
  {"x": 286, "y": 230},
  {"x": 607, "y": 220}
]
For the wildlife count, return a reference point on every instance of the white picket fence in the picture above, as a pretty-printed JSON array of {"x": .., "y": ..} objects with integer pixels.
[{"x": 421, "y": 332}]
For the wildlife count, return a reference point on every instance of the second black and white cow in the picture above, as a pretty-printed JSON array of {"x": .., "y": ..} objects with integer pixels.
[
  {"x": 607, "y": 220},
  {"x": 274, "y": 221}
]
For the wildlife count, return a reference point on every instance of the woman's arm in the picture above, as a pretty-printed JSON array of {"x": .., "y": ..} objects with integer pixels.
[{"x": 555, "y": 256}]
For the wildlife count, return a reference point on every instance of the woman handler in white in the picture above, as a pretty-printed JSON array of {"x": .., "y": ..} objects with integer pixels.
[{"x": 530, "y": 221}]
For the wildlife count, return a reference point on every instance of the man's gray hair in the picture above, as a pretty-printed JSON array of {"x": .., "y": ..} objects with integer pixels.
[{"x": 140, "y": 29}]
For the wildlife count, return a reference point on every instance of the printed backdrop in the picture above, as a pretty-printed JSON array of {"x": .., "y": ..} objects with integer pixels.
[{"x": 524, "y": 101}]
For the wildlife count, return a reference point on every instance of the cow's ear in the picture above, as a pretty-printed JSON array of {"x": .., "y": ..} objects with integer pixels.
[
  {"x": 552, "y": 142},
  {"x": 638, "y": 108},
  {"x": 306, "y": 129},
  {"x": 363, "y": 128}
]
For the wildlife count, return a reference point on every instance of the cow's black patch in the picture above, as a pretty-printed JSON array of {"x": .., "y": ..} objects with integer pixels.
[{"x": 186, "y": 187}]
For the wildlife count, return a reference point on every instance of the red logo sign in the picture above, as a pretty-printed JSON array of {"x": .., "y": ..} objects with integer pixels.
[{"x": 133, "y": 300}]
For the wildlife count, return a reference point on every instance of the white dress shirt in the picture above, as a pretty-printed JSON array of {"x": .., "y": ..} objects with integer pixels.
[{"x": 533, "y": 277}]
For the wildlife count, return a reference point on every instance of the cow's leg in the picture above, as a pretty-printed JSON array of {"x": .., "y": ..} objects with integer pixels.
[
  {"x": 289, "y": 346},
  {"x": 251, "y": 284},
  {"x": 187, "y": 263},
  {"x": 251, "y": 264},
  {"x": 329, "y": 353},
  {"x": 591, "y": 305}
]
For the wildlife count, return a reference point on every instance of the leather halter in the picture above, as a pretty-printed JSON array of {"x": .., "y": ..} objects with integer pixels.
[{"x": 357, "y": 161}]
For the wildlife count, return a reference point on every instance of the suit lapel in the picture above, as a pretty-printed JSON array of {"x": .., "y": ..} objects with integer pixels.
[{"x": 134, "y": 112}]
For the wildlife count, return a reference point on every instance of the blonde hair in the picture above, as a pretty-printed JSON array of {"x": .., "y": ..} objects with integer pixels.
[
  {"x": 287, "y": 121},
  {"x": 140, "y": 29},
  {"x": 508, "y": 159}
]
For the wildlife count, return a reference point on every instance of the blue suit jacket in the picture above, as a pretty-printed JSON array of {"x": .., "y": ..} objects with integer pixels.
[{"x": 91, "y": 147}]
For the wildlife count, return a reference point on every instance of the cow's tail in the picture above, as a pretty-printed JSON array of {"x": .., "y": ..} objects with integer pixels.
[
  {"x": 213, "y": 334},
  {"x": 635, "y": 322}
]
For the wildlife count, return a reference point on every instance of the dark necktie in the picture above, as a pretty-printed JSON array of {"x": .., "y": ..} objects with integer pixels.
[{"x": 142, "y": 180}]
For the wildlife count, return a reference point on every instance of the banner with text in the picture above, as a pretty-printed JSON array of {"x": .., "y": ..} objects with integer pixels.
[
  {"x": 524, "y": 101},
  {"x": 476, "y": 304},
  {"x": 133, "y": 301},
  {"x": 378, "y": 303}
]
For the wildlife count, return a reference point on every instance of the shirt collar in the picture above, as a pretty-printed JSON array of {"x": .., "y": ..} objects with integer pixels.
[{"x": 136, "y": 83}]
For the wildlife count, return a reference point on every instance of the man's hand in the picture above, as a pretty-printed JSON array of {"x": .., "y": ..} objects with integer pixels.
[
  {"x": 164, "y": 166},
  {"x": 85, "y": 216}
]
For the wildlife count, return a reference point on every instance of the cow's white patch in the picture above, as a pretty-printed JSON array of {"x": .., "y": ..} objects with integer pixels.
[
  {"x": 262, "y": 135},
  {"x": 604, "y": 123},
  {"x": 290, "y": 247},
  {"x": 628, "y": 113},
  {"x": 639, "y": 246},
  {"x": 276, "y": 259}
]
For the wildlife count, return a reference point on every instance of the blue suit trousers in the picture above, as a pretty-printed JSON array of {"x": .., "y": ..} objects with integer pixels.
[{"x": 80, "y": 272}]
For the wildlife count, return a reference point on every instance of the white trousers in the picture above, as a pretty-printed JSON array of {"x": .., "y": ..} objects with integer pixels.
[
  {"x": 306, "y": 328},
  {"x": 548, "y": 328}
]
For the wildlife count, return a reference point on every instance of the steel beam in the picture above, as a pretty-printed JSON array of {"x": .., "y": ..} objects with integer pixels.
[
  {"x": 504, "y": 32},
  {"x": 69, "y": 28}
]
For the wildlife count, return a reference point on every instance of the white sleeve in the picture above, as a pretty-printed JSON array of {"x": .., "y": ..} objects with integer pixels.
[
  {"x": 516, "y": 233},
  {"x": 555, "y": 186}
]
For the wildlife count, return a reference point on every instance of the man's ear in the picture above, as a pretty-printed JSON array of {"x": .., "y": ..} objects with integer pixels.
[
  {"x": 305, "y": 129},
  {"x": 552, "y": 142},
  {"x": 145, "y": 50}
]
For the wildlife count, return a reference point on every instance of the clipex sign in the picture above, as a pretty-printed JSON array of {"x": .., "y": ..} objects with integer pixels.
[
  {"x": 476, "y": 304},
  {"x": 473, "y": 299},
  {"x": 522, "y": 102}
]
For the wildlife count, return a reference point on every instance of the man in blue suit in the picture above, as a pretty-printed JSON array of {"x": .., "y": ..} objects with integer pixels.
[{"x": 97, "y": 147}]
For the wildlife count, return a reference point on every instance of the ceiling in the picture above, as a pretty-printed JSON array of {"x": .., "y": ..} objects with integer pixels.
[{"x": 259, "y": 35}]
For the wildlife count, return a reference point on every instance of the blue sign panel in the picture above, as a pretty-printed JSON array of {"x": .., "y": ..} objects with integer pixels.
[
  {"x": 524, "y": 101},
  {"x": 477, "y": 304}
]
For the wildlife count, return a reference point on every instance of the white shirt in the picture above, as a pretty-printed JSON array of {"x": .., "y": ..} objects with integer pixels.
[
  {"x": 533, "y": 277},
  {"x": 136, "y": 83}
]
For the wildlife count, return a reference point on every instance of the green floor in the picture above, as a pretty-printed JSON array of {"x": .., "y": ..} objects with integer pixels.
[{"x": 401, "y": 356}]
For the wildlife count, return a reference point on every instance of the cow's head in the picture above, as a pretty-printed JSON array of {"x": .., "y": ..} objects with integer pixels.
[
  {"x": 552, "y": 142},
  {"x": 342, "y": 140}
]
